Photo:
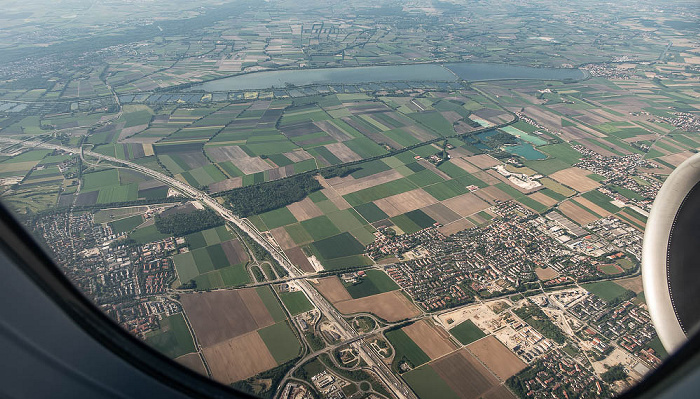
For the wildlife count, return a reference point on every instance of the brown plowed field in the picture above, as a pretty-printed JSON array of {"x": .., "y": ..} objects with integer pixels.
[
  {"x": 405, "y": 202},
  {"x": 283, "y": 238},
  {"x": 390, "y": 306},
  {"x": 239, "y": 358},
  {"x": 343, "y": 153},
  {"x": 296, "y": 255},
  {"x": 333, "y": 131},
  {"x": 543, "y": 199},
  {"x": 256, "y": 307},
  {"x": 250, "y": 165},
  {"x": 600, "y": 150},
  {"x": 297, "y": 155},
  {"x": 227, "y": 184},
  {"x": 304, "y": 209},
  {"x": 192, "y": 362},
  {"x": 576, "y": 179},
  {"x": 487, "y": 177},
  {"x": 219, "y": 315},
  {"x": 347, "y": 185},
  {"x": 499, "y": 392},
  {"x": 546, "y": 274},
  {"x": 676, "y": 159},
  {"x": 468, "y": 167},
  {"x": 455, "y": 227},
  {"x": 499, "y": 359},
  {"x": 590, "y": 205},
  {"x": 483, "y": 161},
  {"x": 576, "y": 213},
  {"x": 491, "y": 194},
  {"x": 235, "y": 253},
  {"x": 441, "y": 213},
  {"x": 634, "y": 284},
  {"x": 465, "y": 375},
  {"x": 225, "y": 153},
  {"x": 419, "y": 133},
  {"x": 460, "y": 152},
  {"x": 332, "y": 289},
  {"x": 466, "y": 204},
  {"x": 430, "y": 339},
  {"x": 339, "y": 202}
]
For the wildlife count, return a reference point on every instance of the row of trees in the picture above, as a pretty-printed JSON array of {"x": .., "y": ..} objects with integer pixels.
[{"x": 338, "y": 171}]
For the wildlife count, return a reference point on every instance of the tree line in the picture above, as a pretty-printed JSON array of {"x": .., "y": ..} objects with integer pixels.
[
  {"x": 260, "y": 198},
  {"x": 180, "y": 224}
]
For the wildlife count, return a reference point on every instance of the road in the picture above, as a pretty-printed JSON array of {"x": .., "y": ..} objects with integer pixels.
[{"x": 347, "y": 332}]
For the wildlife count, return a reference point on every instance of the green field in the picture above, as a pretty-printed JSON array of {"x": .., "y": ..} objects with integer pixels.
[
  {"x": 203, "y": 261},
  {"x": 605, "y": 290},
  {"x": 405, "y": 223},
  {"x": 427, "y": 384},
  {"x": 173, "y": 339},
  {"x": 338, "y": 246},
  {"x": 298, "y": 233},
  {"x": 562, "y": 152},
  {"x": 196, "y": 240},
  {"x": 147, "y": 234},
  {"x": 420, "y": 218},
  {"x": 320, "y": 227},
  {"x": 277, "y": 218},
  {"x": 406, "y": 349},
  {"x": 610, "y": 269},
  {"x": 217, "y": 256},
  {"x": 296, "y": 302},
  {"x": 109, "y": 215},
  {"x": 467, "y": 332},
  {"x": 127, "y": 224},
  {"x": 371, "y": 212},
  {"x": 557, "y": 187},
  {"x": 601, "y": 200},
  {"x": 346, "y": 261},
  {"x": 547, "y": 166},
  {"x": 281, "y": 341},
  {"x": 375, "y": 282},
  {"x": 381, "y": 191},
  {"x": 271, "y": 303},
  {"x": 97, "y": 180},
  {"x": 234, "y": 276},
  {"x": 209, "y": 281},
  {"x": 346, "y": 220},
  {"x": 446, "y": 190},
  {"x": 185, "y": 266}
]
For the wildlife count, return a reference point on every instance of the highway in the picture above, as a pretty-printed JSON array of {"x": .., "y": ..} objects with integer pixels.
[{"x": 368, "y": 354}]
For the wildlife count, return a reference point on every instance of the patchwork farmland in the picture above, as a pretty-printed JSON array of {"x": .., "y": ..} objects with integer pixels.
[{"x": 242, "y": 332}]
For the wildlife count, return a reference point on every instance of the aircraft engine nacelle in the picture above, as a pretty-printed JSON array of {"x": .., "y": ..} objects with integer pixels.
[{"x": 671, "y": 256}]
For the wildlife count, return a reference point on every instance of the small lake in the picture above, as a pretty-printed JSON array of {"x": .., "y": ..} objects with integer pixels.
[
  {"x": 525, "y": 136},
  {"x": 394, "y": 73},
  {"x": 526, "y": 151}
]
